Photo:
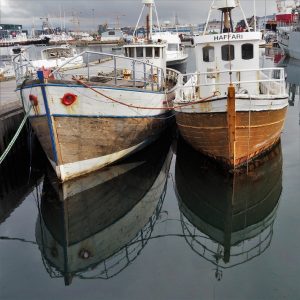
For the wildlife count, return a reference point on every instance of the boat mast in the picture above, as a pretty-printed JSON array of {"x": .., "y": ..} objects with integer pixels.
[
  {"x": 254, "y": 8},
  {"x": 225, "y": 6},
  {"x": 149, "y": 4}
]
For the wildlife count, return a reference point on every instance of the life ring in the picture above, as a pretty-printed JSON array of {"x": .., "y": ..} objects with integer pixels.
[{"x": 68, "y": 99}]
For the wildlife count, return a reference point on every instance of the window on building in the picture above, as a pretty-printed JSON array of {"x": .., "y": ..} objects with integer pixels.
[
  {"x": 139, "y": 52},
  {"x": 149, "y": 52},
  {"x": 247, "y": 51},
  {"x": 227, "y": 52},
  {"x": 208, "y": 54}
]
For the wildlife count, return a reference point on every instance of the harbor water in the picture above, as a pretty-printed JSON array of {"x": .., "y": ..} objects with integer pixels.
[{"x": 165, "y": 223}]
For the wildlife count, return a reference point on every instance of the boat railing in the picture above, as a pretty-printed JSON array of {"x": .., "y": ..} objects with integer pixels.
[
  {"x": 263, "y": 81},
  {"x": 23, "y": 67},
  {"x": 98, "y": 67}
]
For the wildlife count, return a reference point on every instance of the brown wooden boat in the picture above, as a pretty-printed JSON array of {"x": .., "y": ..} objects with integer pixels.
[{"x": 237, "y": 109}]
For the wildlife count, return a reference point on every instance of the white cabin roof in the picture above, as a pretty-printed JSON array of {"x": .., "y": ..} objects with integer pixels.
[{"x": 166, "y": 36}]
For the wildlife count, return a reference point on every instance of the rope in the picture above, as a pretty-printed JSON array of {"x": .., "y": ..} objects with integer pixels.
[
  {"x": 143, "y": 107},
  {"x": 4, "y": 154}
]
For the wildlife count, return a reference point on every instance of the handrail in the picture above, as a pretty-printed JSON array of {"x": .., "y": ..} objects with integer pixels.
[
  {"x": 227, "y": 71},
  {"x": 135, "y": 66},
  {"x": 104, "y": 54},
  {"x": 269, "y": 81},
  {"x": 233, "y": 82}
]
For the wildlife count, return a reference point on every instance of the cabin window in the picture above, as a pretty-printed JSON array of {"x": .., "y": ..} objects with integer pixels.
[
  {"x": 208, "y": 54},
  {"x": 227, "y": 52},
  {"x": 131, "y": 52},
  {"x": 156, "y": 52},
  {"x": 149, "y": 53},
  {"x": 247, "y": 51},
  {"x": 126, "y": 52},
  {"x": 139, "y": 52},
  {"x": 172, "y": 47}
]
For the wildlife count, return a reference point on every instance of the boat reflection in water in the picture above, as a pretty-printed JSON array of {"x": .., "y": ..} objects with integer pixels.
[
  {"x": 228, "y": 219},
  {"x": 293, "y": 75},
  {"x": 94, "y": 227}
]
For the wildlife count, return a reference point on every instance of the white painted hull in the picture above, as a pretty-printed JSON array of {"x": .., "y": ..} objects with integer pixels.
[
  {"x": 89, "y": 103},
  {"x": 243, "y": 103}
]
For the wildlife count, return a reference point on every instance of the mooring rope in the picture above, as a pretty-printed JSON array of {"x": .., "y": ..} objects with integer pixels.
[
  {"x": 10, "y": 145},
  {"x": 144, "y": 107}
]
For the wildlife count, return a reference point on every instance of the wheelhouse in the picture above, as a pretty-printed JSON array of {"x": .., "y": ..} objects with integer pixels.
[
  {"x": 154, "y": 54},
  {"x": 229, "y": 51}
]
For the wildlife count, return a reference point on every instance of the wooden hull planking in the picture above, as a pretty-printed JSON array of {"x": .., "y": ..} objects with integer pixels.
[
  {"x": 255, "y": 133},
  {"x": 86, "y": 144}
]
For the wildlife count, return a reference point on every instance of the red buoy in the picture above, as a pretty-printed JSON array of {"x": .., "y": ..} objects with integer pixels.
[{"x": 68, "y": 99}]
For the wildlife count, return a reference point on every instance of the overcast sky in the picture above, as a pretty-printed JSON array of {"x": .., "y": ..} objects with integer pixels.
[{"x": 94, "y": 12}]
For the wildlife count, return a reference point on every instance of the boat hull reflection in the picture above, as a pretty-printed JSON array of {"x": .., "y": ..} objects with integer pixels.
[
  {"x": 94, "y": 227},
  {"x": 228, "y": 218}
]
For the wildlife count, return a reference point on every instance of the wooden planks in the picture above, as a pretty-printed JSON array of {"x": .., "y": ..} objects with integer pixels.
[
  {"x": 85, "y": 138},
  {"x": 255, "y": 133},
  {"x": 41, "y": 129}
]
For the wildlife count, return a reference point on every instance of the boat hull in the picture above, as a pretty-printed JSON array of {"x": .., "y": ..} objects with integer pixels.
[
  {"x": 94, "y": 131},
  {"x": 87, "y": 144},
  {"x": 209, "y": 132}
]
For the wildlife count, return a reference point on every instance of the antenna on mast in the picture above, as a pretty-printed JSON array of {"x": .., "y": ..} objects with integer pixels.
[{"x": 150, "y": 4}]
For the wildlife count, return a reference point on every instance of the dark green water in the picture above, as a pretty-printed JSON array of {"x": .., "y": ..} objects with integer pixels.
[{"x": 163, "y": 224}]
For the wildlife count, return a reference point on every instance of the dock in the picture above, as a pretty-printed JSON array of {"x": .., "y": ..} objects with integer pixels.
[
  {"x": 8, "y": 97},
  {"x": 11, "y": 112}
]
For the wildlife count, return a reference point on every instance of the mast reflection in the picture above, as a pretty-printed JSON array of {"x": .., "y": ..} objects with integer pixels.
[
  {"x": 95, "y": 226},
  {"x": 227, "y": 219}
]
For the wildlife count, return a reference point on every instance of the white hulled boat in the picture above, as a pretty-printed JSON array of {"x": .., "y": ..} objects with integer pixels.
[
  {"x": 233, "y": 124},
  {"x": 52, "y": 57},
  {"x": 176, "y": 57},
  {"x": 90, "y": 117}
]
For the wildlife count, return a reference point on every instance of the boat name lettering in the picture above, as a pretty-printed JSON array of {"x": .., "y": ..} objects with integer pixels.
[{"x": 224, "y": 37}]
